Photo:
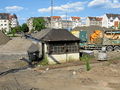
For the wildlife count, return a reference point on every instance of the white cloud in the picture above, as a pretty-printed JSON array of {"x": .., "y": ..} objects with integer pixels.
[
  {"x": 13, "y": 8},
  {"x": 105, "y": 3},
  {"x": 70, "y": 7},
  {"x": 63, "y": 16}
]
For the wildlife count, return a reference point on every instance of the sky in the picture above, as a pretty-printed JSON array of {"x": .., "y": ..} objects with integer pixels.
[{"x": 25, "y": 9}]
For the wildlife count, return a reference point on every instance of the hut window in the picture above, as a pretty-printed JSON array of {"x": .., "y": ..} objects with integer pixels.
[
  {"x": 63, "y": 48},
  {"x": 71, "y": 48},
  {"x": 56, "y": 49}
]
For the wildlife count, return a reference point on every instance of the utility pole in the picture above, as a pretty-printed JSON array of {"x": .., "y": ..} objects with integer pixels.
[
  {"x": 66, "y": 21},
  {"x": 51, "y": 14}
]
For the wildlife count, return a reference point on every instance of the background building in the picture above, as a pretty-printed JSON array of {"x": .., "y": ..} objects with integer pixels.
[
  {"x": 13, "y": 20},
  {"x": 30, "y": 22},
  {"x": 76, "y": 21},
  {"x": 56, "y": 22},
  {"x": 94, "y": 21},
  {"x": 111, "y": 20},
  {"x": 7, "y": 21}
]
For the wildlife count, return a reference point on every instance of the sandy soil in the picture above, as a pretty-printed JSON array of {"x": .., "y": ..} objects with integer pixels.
[{"x": 102, "y": 76}]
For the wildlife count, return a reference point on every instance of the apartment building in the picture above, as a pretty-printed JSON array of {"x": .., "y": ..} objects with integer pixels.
[
  {"x": 76, "y": 21},
  {"x": 111, "y": 21},
  {"x": 13, "y": 20},
  {"x": 94, "y": 21},
  {"x": 56, "y": 22},
  {"x": 30, "y": 22},
  {"x": 4, "y": 22},
  {"x": 7, "y": 21}
]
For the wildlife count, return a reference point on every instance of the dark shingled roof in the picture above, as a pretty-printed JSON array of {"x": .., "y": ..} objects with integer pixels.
[
  {"x": 55, "y": 35},
  {"x": 4, "y": 15},
  {"x": 92, "y": 28},
  {"x": 113, "y": 15}
]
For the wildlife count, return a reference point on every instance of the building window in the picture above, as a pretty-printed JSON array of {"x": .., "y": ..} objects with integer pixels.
[
  {"x": 5, "y": 24},
  {"x": 1, "y": 24},
  {"x": 111, "y": 20},
  {"x": 63, "y": 48},
  {"x": 4, "y": 20}
]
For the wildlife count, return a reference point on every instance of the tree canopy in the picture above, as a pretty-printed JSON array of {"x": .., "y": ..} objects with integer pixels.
[
  {"x": 119, "y": 26},
  {"x": 38, "y": 24},
  {"x": 24, "y": 28}
]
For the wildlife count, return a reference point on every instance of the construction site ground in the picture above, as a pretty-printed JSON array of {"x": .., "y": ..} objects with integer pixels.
[
  {"x": 17, "y": 75},
  {"x": 102, "y": 76}
]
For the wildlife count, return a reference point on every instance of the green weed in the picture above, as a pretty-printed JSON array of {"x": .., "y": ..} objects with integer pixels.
[{"x": 86, "y": 58}]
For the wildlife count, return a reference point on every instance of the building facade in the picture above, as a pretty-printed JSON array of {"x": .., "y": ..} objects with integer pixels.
[
  {"x": 30, "y": 22},
  {"x": 76, "y": 21},
  {"x": 111, "y": 21},
  {"x": 57, "y": 22},
  {"x": 94, "y": 21},
  {"x": 7, "y": 21},
  {"x": 13, "y": 20}
]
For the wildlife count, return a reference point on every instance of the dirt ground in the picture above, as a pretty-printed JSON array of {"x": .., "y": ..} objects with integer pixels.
[{"x": 102, "y": 76}]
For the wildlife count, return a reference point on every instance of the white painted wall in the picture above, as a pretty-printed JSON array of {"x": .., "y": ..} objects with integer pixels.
[
  {"x": 87, "y": 22},
  {"x": 62, "y": 58},
  {"x": 105, "y": 21},
  {"x": 14, "y": 22},
  {"x": 4, "y": 24}
]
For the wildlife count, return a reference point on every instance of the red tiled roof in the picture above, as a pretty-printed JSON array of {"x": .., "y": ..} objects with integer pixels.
[
  {"x": 99, "y": 19},
  {"x": 75, "y": 17},
  {"x": 95, "y": 18},
  {"x": 56, "y": 17}
]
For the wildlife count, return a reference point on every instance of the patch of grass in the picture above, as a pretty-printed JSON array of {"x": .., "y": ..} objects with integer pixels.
[{"x": 44, "y": 61}]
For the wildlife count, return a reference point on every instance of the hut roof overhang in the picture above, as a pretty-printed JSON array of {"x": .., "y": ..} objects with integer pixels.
[{"x": 51, "y": 35}]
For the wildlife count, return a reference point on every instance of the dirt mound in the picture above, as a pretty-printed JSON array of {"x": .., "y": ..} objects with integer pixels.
[
  {"x": 3, "y": 38},
  {"x": 17, "y": 45}
]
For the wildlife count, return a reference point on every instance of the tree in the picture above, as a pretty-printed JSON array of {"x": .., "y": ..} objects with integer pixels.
[
  {"x": 13, "y": 31},
  {"x": 119, "y": 26},
  {"x": 38, "y": 24},
  {"x": 24, "y": 28},
  {"x": 17, "y": 28}
]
